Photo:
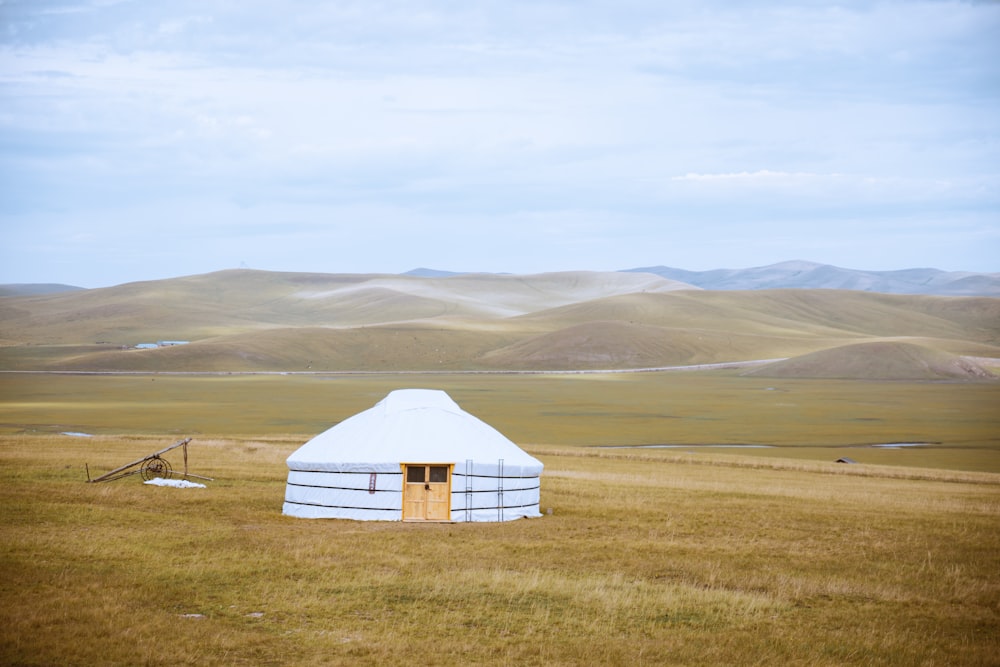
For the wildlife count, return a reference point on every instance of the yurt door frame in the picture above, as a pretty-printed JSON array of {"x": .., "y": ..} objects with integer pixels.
[{"x": 427, "y": 491}]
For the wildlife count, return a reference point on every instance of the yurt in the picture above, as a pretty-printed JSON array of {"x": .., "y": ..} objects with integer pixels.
[{"x": 413, "y": 456}]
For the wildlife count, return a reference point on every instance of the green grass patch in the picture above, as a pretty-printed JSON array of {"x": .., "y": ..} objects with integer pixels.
[{"x": 815, "y": 419}]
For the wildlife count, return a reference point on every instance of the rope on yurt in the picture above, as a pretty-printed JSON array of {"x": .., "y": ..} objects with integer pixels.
[
  {"x": 500, "y": 491},
  {"x": 468, "y": 489}
]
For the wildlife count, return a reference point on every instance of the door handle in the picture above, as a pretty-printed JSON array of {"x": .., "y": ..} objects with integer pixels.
[{"x": 427, "y": 487}]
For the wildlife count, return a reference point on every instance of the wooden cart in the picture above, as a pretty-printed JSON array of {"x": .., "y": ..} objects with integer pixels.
[{"x": 149, "y": 467}]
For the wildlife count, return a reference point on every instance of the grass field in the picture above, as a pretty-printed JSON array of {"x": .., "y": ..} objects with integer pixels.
[
  {"x": 818, "y": 419},
  {"x": 645, "y": 559},
  {"x": 650, "y": 556}
]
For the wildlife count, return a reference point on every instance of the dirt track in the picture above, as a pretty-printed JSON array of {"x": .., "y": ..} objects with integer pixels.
[{"x": 657, "y": 369}]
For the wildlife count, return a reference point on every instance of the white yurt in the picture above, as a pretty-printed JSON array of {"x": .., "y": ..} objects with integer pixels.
[{"x": 413, "y": 456}]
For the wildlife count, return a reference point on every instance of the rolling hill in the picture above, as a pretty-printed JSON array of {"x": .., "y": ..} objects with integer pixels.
[
  {"x": 247, "y": 320},
  {"x": 881, "y": 360}
]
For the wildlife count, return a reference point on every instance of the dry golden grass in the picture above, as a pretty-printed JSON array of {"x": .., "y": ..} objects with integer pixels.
[{"x": 647, "y": 558}]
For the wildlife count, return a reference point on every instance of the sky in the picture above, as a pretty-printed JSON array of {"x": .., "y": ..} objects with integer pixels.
[{"x": 145, "y": 140}]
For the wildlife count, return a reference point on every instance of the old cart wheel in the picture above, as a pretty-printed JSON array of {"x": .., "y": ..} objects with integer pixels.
[{"x": 155, "y": 467}]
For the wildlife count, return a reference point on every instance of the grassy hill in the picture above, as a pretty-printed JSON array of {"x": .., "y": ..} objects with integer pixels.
[
  {"x": 246, "y": 320},
  {"x": 877, "y": 360}
]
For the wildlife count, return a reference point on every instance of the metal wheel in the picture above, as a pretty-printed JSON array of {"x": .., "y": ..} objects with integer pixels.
[{"x": 155, "y": 467}]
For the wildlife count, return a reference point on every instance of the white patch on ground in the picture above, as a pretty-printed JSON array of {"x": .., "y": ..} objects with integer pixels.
[
  {"x": 176, "y": 483},
  {"x": 75, "y": 434}
]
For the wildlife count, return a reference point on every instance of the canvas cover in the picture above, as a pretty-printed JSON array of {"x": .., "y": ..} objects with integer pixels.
[{"x": 353, "y": 470}]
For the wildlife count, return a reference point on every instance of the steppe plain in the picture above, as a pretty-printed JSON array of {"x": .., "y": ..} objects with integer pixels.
[{"x": 661, "y": 548}]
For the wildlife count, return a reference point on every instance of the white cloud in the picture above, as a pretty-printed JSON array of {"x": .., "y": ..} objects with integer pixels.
[{"x": 761, "y": 176}]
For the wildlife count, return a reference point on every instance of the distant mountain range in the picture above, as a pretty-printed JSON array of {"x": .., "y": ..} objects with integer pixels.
[
  {"x": 33, "y": 289},
  {"x": 794, "y": 274},
  {"x": 810, "y": 275},
  {"x": 799, "y": 274}
]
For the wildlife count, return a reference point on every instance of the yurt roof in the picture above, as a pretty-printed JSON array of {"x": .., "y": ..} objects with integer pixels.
[{"x": 411, "y": 426}]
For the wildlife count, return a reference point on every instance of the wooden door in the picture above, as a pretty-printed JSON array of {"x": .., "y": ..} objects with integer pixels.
[{"x": 426, "y": 492}]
